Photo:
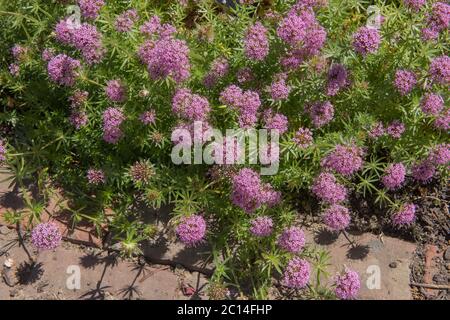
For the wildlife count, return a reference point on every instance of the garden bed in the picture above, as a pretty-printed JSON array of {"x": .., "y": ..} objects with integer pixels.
[{"x": 251, "y": 142}]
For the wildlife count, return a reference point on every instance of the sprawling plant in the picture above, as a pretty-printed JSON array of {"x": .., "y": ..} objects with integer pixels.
[{"x": 357, "y": 90}]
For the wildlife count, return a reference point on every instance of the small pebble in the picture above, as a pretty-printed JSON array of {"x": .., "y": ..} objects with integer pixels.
[
  {"x": 447, "y": 254},
  {"x": 393, "y": 265}
]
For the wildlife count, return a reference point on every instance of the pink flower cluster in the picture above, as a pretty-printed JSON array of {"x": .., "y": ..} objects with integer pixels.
[
  {"x": 190, "y": 106},
  {"x": 279, "y": 90},
  {"x": 249, "y": 193},
  {"x": 395, "y": 129},
  {"x": 46, "y": 236},
  {"x": 415, "y": 4},
  {"x": 219, "y": 69},
  {"x": 191, "y": 230},
  {"x": 327, "y": 189},
  {"x": 432, "y": 104},
  {"x": 148, "y": 117},
  {"x": 112, "y": 119},
  {"x": 2, "y": 150},
  {"x": 366, "y": 40},
  {"x": 166, "y": 57},
  {"x": 377, "y": 130},
  {"x": 423, "y": 171},
  {"x": 442, "y": 122},
  {"x": 115, "y": 91},
  {"x": 95, "y": 176},
  {"x": 321, "y": 113},
  {"x": 78, "y": 117},
  {"x": 126, "y": 20},
  {"x": 345, "y": 160},
  {"x": 256, "y": 43},
  {"x": 18, "y": 52},
  {"x": 303, "y": 138},
  {"x": 404, "y": 81},
  {"x": 297, "y": 273},
  {"x": 90, "y": 8},
  {"x": 261, "y": 226},
  {"x": 438, "y": 21},
  {"x": 336, "y": 217},
  {"x": 47, "y": 54},
  {"x": 78, "y": 98},
  {"x": 301, "y": 27},
  {"x": 244, "y": 75},
  {"x": 292, "y": 240},
  {"x": 62, "y": 70},
  {"x": 440, "y": 155},
  {"x": 394, "y": 176},
  {"x": 84, "y": 38},
  {"x": 405, "y": 216},
  {"x": 14, "y": 69},
  {"x": 275, "y": 121},
  {"x": 439, "y": 70},
  {"x": 347, "y": 285},
  {"x": 337, "y": 79},
  {"x": 154, "y": 27},
  {"x": 246, "y": 102}
]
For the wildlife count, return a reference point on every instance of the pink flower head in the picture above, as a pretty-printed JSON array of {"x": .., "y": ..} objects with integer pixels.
[
  {"x": 191, "y": 230},
  {"x": 279, "y": 90},
  {"x": 249, "y": 193},
  {"x": 112, "y": 119},
  {"x": 62, "y": 70},
  {"x": 347, "y": 285},
  {"x": 377, "y": 130},
  {"x": 256, "y": 43},
  {"x": 303, "y": 138},
  {"x": 442, "y": 121},
  {"x": 190, "y": 106},
  {"x": 261, "y": 226},
  {"x": 404, "y": 81},
  {"x": 405, "y": 216},
  {"x": 321, "y": 113},
  {"x": 95, "y": 176},
  {"x": 336, "y": 217},
  {"x": 423, "y": 171},
  {"x": 148, "y": 117},
  {"x": 166, "y": 57},
  {"x": 337, "y": 79},
  {"x": 292, "y": 240},
  {"x": 275, "y": 121},
  {"x": 439, "y": 70},
  {"x": 396, "y": 129},
  {"x": 115, "y": 91},
  {"x": 126, "y": 20},
  {"x": 394, "y": 176},
  {"x": 326, "y": 188},
  {"x": 46, "y": 236},
  {"x": 90, "y": 8},
  {"x": 78, "y": 118},
  {"x": 14, "y": 69},
  {"x": 297, "y": 273},
  {"x": 432, "y": 104},
  {"x": 345, "y": 160},
  {"x": 414, "y": 4},
  {"x": 366, "y": 40},
  {"x": 440, "y": 155}
]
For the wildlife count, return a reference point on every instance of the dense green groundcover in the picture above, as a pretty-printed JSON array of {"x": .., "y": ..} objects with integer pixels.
[{"x": 380, "y": 117}]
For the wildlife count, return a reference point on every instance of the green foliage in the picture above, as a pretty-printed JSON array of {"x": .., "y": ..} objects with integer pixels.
[{"x": 45, "y": 146}]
